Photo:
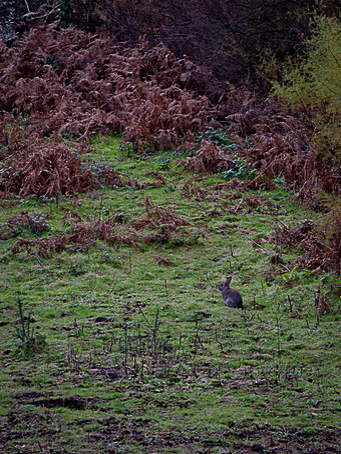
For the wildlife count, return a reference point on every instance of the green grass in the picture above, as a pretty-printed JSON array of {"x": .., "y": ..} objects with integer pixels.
[{"x": 142, "y": 355}]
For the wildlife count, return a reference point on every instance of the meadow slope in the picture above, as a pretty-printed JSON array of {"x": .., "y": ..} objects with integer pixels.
[{"x": 123, "y": 343}]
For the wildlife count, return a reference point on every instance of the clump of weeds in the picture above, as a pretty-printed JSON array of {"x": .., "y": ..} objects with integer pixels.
[{"x": 30, "y": 342}]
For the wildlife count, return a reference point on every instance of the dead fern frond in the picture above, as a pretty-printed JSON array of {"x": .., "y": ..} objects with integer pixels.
[
  {"x": 38, "y": 225},
  {"x": 46, "y": 171},
  {"x": 160, "y": 260},
  {"x": 209, "y": 159}
]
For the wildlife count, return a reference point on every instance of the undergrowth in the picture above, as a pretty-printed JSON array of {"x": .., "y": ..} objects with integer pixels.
[{"x": 312, "y": 86}]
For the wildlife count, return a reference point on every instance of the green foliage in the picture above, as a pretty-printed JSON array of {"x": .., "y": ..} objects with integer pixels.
[
  {"x": 313, "y": 85},
  {"x": 128, "y": 149},
  {"x": 77, "y": 269},
  {"x": 240, "y": 170},
  {"x": 7, "y": 32},
  {"x": 219, "y": 137},
  {"x": 294, "y": 275},
  {"x": 65, "y": 12},
  {"x": 164, "y": 163}
]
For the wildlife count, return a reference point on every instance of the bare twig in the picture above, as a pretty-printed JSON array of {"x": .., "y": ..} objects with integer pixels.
[{"x": 28, "y": 8}]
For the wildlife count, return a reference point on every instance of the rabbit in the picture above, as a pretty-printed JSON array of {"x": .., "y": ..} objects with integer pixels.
[{"x": 231, "y": 297}]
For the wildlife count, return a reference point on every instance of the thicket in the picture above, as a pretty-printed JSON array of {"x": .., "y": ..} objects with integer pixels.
[
  {"x": 312, "y": 87},
  {"x": 229, "y": 39}
]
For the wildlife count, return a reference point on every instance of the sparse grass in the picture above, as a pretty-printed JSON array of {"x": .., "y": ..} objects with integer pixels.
[{"x": 142, "y": 355}]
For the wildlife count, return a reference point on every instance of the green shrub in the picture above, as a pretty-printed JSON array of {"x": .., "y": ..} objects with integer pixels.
[{"x": 313, "y": 85}]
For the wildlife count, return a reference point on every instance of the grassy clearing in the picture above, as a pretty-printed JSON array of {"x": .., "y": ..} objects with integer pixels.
[{"x": 142, "y": 355}]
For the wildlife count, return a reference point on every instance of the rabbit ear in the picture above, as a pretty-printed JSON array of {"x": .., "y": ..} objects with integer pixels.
[{"x": 228, "y": 280}]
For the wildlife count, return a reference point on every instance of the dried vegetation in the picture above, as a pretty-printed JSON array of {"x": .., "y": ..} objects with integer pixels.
[
  {"x": 320, "y": 242},
  {"x": 78, "y": 85},
  {"x": 70, "y": 85},
  {"x": 45, "y": 170},
  {"x": 161, "y": 221},
  {"x": 83, "y": 84}
]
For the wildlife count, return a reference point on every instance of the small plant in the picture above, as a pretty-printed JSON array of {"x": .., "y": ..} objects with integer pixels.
[
  {"x": 7, "y": 31},
  {"x": 77, "y": 269},
  {"x": 65, "y": 13},
  {"x": 279, "y": 181},
  {"x": 128, "y": 149},
  {"x": 113, "y": 260},
  {"x": 30, "y": 343},
  {"x": 294, "y": 276},
  {"x": 219, "y": 138},
  {"x": 163, "y": 163},
  {"x": 240, "y": 170}
]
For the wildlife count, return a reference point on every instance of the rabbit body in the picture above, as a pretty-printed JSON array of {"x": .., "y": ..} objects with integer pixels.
[{"x": 232, "y": 298}]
